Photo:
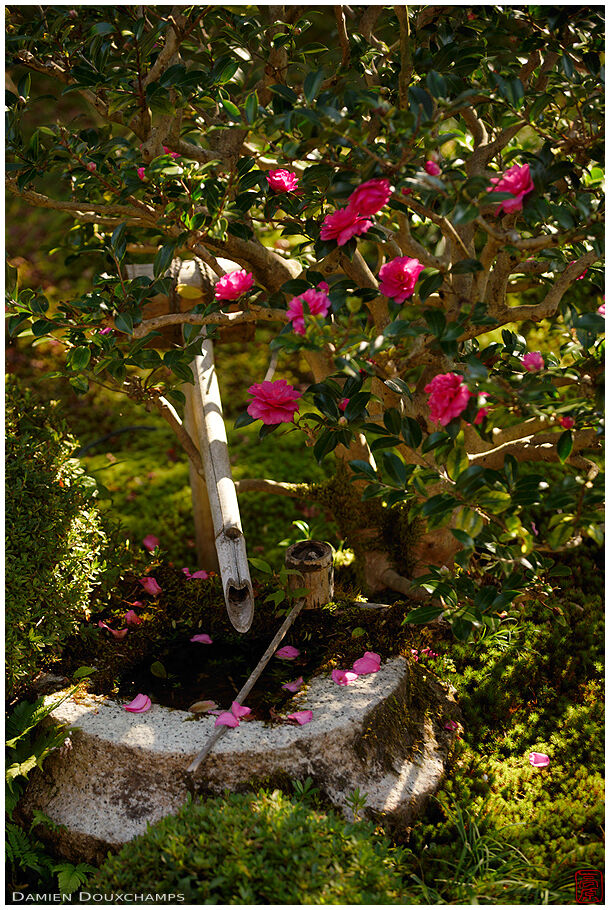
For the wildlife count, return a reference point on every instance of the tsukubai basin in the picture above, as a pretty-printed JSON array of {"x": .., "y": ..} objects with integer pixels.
[{"x": 383, "y": 734}]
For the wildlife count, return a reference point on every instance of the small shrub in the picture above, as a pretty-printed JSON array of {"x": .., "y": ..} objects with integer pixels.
[
  {"x": 258, "y": 848},
  {"x": 56, "y": 542}
]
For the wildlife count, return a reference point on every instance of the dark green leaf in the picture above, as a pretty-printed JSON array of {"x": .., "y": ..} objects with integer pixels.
[
  {"x": 427, "y": 613},
  {"x": 564, "y": 445},
  {"x": 429, "y": 285},
  {"x": 466, "y": 267},
  {"x": 312, "y": 83},
  {"x": 124, "y": 323}
]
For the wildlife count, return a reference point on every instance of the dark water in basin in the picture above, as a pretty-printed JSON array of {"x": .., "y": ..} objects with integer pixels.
[{"x": 216, "y": 672}]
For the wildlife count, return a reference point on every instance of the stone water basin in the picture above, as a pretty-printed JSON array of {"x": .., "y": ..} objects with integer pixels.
[{"x": 383, "y": 734}]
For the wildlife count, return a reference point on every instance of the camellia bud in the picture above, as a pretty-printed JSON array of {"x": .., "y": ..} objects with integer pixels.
[{"x": 342, "y": 421}]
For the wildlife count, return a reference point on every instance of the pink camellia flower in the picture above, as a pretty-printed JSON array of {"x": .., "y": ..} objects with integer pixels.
[
  {"x": 151, "y": 542},
  {"x": 287, "y": 653},
  {"x": 226, "y": 719},
  {"x": 406, "y": 191},
  {"x": 602, "y": 309},
  {"x": 398, "y": 277},
  {"x": 451, "y": 725},
  {"x": 202, "y": 639},
  {"x": 141, "y": 172},
  {"x": 282, "y": 181},
  {"x": 448, "y": 397},
  {"x": 119, "y": 634},
  {"x": 139, "y": 705},
  {"x": 482, "y": 412},
  {"x": 343, "y": 404},
  {"x": 370, "y": 663},
  {"x": 150, "y": 585},
  {"x": 532, "y": 361},
  {"x": 301, "y": 717},
  {"x": 516, "y": 180},
  {"x": 343, "y": 677},
  {"x": 432, "y": 168},
  {"x": 317, "y": 302},
  {"x": 293, "y": 686},
  {"x": 370, "y": 197},
  {"x": 201, "y": 573},
  {"x": 539, "y": 760},
  {"x": 168, "y": 151},
  {"x": 343, "y": 225},
  {"x": 132, "y": 618},
  {"x": 91, "y": 166},
  {"x": 233, "y": 285},
  {"x": 239, "y": 710},
  {"x": 323, "y": 286},
  {"x": 567, "y": 422},
  {"x": 273, "y": 402}
]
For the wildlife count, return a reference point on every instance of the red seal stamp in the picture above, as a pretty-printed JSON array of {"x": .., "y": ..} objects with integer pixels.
[{"x": 589, "y": 886}]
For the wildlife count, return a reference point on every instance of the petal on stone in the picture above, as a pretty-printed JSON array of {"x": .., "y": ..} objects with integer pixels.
[
  {"x": 239, "y": 710},
  {"x": 301, "y": 717},
  {"x": 203, "y": 707},
  {"x": 139, "y": 705},
  {"x": 226, "y": 719},
  {"x": 343, "y": 677}
]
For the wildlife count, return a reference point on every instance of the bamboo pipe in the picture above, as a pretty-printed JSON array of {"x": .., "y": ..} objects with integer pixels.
[
  {"x": 229, "y": 537},
  {"x": 215, "y": 504}
]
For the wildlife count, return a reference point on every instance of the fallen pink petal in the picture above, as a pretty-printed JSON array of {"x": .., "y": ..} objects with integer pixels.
[
  {"x": 451, "y": 725},
  {"x": 187, "y": 572},
  {"x": 151, "y": 542},
  {"x": 226, "y": 719},
  {"x": 239, "y": 710},
  {"x": 201, "y": 573},
  {"x": 132, "y": 618},
  {"x": 301, "y": 717},
  {"x": 119, "y": 634},
  {"x": 415, "y": 654},
  {"x": 202, "y": 638},
  {"x": 139, "y": 705},
  {"x": 150, "y": 585},
  {"x": 287, "y": 653},
  {"x": 293, "y": 686},
  {"x": 370, "y": 663},
  {"x": 343, "y": 677},
  {"x": 539, "y": 760}
]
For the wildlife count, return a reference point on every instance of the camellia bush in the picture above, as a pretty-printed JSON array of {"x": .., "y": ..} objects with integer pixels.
[{"x": 412, "y": 199}]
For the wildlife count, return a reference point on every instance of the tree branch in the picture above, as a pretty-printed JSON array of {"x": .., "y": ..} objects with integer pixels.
[
  {"x": 541, "y": 447},
  {"x": 254, "y": 314},
  {"x": 279, "y": 488},
  {"x": 342, "y": 33},
  {"x": 548, "y": 306},
  {"x": 169, "y": 414},
  {"x": 406, "y": 57}
]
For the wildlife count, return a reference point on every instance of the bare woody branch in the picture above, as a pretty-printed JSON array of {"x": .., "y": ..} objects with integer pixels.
[
  {"x": 254, "y": 314},
  {"x": 539, "y": 447},
  {"x": 342, "y": 33},
  {"x": 169, "y": 414},
  {"x": 406, "y": 56}
]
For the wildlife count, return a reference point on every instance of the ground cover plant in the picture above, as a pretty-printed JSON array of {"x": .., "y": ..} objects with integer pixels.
[{"x": 412, "y": 202}]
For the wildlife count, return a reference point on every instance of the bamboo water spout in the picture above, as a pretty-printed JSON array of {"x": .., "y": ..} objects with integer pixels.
[
  {"x": 228, "y": 534},
  {"x": 220, "y": 537}
]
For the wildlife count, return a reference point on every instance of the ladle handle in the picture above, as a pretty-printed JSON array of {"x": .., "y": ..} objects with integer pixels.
[{"x": 249, "y": 684}]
